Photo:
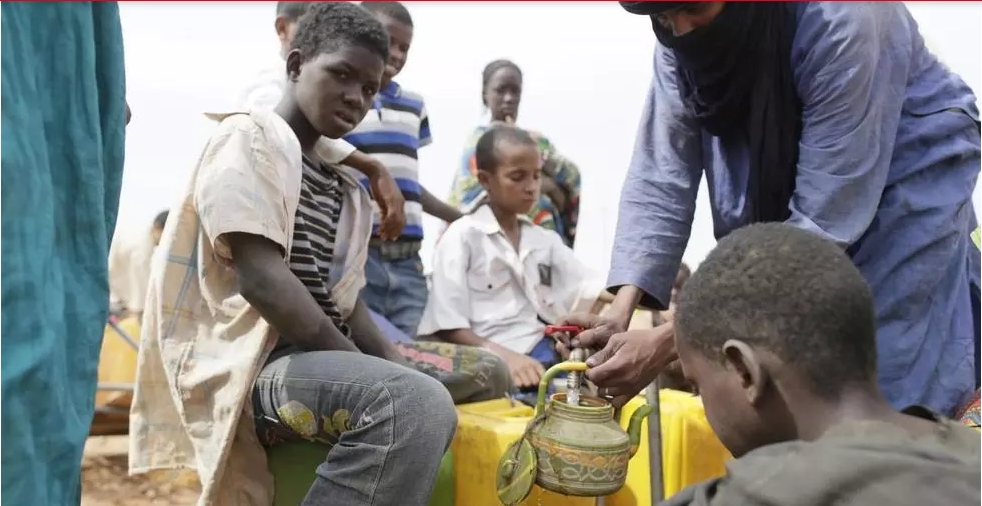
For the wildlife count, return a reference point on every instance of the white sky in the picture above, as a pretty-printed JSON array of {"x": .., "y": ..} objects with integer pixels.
[{"x": 586, "y": 66}]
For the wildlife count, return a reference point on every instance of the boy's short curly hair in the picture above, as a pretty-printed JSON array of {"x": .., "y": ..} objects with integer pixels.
[
  {"x": 394, "y": 10},
  {"x": 328, "y": 26},
  {"x": 787, "y": 291},
  {"x": 292, "y": 10},
  {"x": 486, "y": 152}
]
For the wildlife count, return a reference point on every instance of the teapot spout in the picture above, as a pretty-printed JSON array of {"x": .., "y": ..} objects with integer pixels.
[{"x": 634, "y": 427}]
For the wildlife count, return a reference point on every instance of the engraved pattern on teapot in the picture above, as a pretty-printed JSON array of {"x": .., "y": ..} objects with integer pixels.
[{"x": 580, "y": 449}]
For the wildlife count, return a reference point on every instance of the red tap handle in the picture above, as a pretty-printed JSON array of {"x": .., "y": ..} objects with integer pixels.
[{"x": 573, "y": 330}]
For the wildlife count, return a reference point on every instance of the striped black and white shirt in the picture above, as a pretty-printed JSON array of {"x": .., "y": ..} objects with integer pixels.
[{"x": 315, "y": 237}]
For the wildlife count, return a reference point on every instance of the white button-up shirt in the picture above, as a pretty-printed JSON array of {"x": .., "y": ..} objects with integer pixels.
[
  {"x": 481, "y": 282},
  {"x": 129, "y": 268}
]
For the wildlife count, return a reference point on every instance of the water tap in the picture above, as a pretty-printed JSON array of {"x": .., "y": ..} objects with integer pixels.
[{"x": 574, "y": 379}]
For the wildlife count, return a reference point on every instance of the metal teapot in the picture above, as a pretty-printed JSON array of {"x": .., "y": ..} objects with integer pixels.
[{"x": 573, "y": 449}]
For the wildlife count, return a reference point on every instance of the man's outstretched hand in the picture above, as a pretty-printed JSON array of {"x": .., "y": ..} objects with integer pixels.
[
  {"x": 631, "y": 361},
  {"x": 628, "y": 360},
  {"x": 597, "y": 330}
]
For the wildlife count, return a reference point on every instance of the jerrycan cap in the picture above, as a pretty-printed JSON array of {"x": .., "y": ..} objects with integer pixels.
[{"x": 516, "y": 473}]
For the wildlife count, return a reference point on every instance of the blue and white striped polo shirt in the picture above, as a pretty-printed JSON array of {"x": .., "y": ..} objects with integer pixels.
[{"x": 393, "y": 131}]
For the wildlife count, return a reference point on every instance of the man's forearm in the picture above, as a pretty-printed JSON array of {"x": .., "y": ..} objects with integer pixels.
[
  {"x": 286, "y": 304},
  {"x": 436, "y": 207},
  {"x": 625, "y": 302},
  {"x": 606, "y": 297}
]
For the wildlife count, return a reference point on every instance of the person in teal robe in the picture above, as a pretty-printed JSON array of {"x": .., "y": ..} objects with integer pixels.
[{"x": 64, "y": 113}]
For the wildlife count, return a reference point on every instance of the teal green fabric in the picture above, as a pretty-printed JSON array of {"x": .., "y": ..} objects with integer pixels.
[
  {"x": 63, "y": 109},
  {"x": 293, "y": 465}
]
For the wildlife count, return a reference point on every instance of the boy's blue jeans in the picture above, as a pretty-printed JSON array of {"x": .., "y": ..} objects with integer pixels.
[
  {"x": 396, "y": 289},
  {"x": 545, "y": 353}
]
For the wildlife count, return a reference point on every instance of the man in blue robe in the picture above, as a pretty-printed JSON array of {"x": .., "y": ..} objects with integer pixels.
[{"x": 835, "y": 118}]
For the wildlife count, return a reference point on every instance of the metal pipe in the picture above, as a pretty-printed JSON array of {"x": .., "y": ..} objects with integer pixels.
[
  {"x": 116, "y": 387},
  {"x": 110, "y": 410},
  {"x": 574, "y": 380},
  {"x": 122, "y": 333},
  {"x": 655, "y": 444}
]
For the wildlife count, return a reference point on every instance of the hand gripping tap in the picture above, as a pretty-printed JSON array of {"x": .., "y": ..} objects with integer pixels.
[{"x": 574, "y": 379}]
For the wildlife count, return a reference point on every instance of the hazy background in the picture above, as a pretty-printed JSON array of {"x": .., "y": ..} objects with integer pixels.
[{"x": 587, "y": 67}]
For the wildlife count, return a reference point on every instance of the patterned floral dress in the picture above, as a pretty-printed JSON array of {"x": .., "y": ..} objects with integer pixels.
[{"x": 969, "y": 413}]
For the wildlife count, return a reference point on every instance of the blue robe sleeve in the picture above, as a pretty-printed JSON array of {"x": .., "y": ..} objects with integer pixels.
[
  {"x": 852, "y": 91},
  {"x": 658, "y": 200}
]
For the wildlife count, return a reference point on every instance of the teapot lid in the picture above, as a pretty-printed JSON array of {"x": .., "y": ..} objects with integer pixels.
[{"x": 516, "y": 473}]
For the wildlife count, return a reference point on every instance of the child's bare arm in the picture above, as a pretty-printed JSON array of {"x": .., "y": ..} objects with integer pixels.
[
  {"x": 438, "y": 208},
  {"x": 465, "y": 337},
  {"x": 385, "y": 191},
  {"x": 267, "y": 283},
  {"x": 525, "y": 370},
  {"x": 366, "y": 164}
]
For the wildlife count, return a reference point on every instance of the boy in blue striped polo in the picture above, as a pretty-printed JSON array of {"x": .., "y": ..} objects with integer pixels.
[{"x": 392, "y": 132}]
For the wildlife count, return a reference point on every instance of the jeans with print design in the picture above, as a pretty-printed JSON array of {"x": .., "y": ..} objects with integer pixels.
[
  {"x": 381, "y": 420},
  {"x": 396, "y": 289}
]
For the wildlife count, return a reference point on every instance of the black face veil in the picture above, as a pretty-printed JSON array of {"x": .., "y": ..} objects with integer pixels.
[{"x": 734, "y": 76}]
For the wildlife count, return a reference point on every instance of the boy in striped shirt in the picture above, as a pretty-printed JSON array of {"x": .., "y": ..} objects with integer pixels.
[{"x": 393, "y": 131}]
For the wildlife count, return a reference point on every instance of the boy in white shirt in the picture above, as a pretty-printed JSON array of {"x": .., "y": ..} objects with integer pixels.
[
  {"x": 129, "y": 267},
  {"x": 498, "y": 279},
  {"x": 265, "y": 91}
]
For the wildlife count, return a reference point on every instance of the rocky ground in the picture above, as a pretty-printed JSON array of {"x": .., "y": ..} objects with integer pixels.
[{"x": 105, "y": 481}]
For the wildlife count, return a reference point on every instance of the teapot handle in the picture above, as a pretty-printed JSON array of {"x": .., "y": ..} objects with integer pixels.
[{"x": 540, "y": 401}]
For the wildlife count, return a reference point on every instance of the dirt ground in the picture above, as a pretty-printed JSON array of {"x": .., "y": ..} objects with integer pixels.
[{"x": 105, "y": 481}]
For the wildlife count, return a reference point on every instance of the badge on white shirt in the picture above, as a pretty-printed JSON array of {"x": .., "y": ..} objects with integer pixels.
[{"x": 545, "y": 275}]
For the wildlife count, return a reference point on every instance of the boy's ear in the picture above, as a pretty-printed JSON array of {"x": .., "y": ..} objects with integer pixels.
[
  {"x": 742, "y": 360},
  {"x": 484, "y": 178},
  {"x": 293, "y": 64},
  {"x": 282, "y": 25}
]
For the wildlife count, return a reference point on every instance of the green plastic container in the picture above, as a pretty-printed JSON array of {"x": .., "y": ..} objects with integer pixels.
[
  {"x": 294, "y": 467},
  {"x": 445, "y": 489}
]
